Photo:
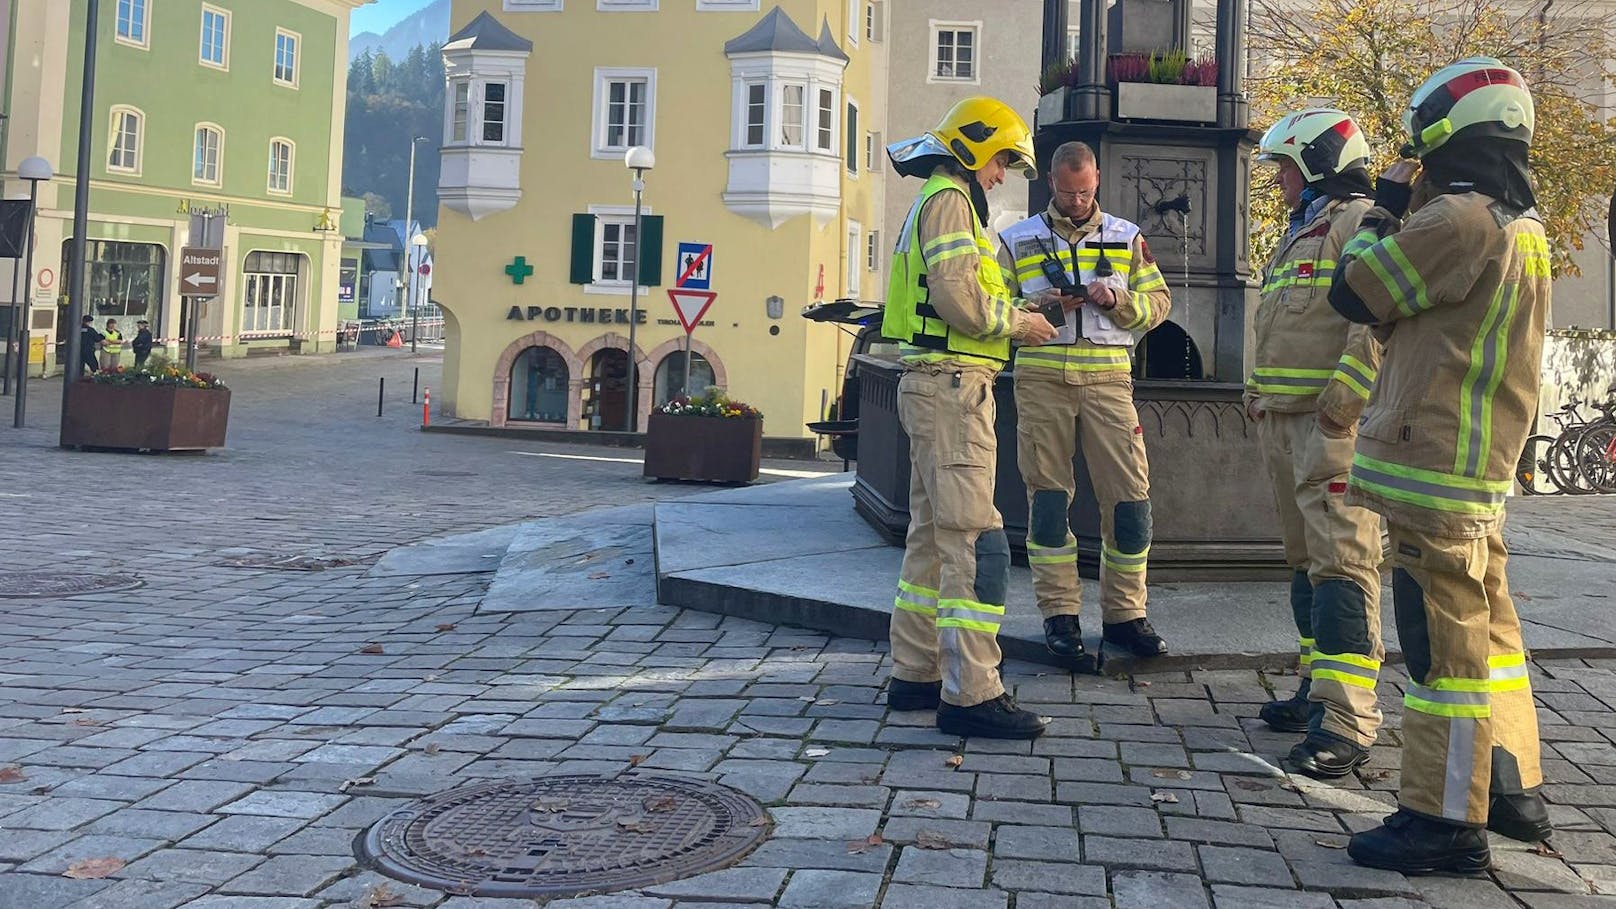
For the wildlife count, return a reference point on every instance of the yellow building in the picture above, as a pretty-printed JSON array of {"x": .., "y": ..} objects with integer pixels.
[{"x": 760, "y": 120}]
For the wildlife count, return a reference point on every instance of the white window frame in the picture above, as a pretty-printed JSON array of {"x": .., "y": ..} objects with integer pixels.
[
  {"x": 480, "y": 105},
  {"x": 872, "y": 251},
  {"x": 726, "y": 6},
  {"x": 747, "y": 107},
  {"x": 622, "y": 216},
  {"x": 855, "y": 21},
  {"x": 250, "y": 280},
  {"x": 533, "y": 6},
  {"x": 224, "y": 61},
  {"x": 802, "y": 116},
  {"x": 850, "y": 162},
  {"x": 218, "y": 158},
  {"x": 938, "y": 26},
  {"x": 1074, "y": 37},
  {"x": 827, "y": 146},
  {"x": 291, "y": 167},
  {"x": 626, "y": 6},
  {"x": 144, "y": 42},
  {"x": 297, "y": 58},
  {"x": 597, "y": 138},
  {"x": 115, "y": 120},
  {"x": 855, "y": 246},
  {"x": 467, "y": 120},
  {"x": 875, "y": 22},
  {"x": 873, "y": 149}
]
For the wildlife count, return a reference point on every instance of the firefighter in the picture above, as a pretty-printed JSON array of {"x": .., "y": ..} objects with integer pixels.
[
  {"x": 948, "y": 306},
  {"x": 1460, "y": 294},
  {"x": 1315, "y": 369},
  {"x": 1078, "y": 388}
]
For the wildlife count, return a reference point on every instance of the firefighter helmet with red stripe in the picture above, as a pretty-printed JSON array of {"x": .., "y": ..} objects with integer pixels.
[
  {"x": 1322, "y": 141},
  {"x": 1478, "y": 96}
]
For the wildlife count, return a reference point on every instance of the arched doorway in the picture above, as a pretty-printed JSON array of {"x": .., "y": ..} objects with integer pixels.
[
  {"x": 606, "y": 392},
  {"x": 670, "y": 376},
  {"x": 538, "y": 391},
  {"x": 1168, "y": 352}
]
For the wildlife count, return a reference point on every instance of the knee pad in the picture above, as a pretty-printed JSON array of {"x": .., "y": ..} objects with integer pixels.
[
  {"x": 1130, "y": 526},
  {"x": 992, "y": 567},
  {"x": 1408, "y": 602},
  {"x": 1047, "y": 524},
  {"x": 1302, "y": 602},
  {"x": 1340, "y": 621}
]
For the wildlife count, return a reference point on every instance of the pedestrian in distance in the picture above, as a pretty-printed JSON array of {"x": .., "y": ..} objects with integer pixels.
[
  {"x": 142, "y": 344},
  {"x": 89, "y": 345},
  {"x": 111, "y": 346},
  {"x": 954, "y": 319}
]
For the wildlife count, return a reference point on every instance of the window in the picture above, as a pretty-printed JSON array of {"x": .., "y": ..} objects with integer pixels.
[
  {"x": 852, "y": 155},
  {"x": 286, "y": 46},
  {"x": 954, "y": 52},
  {"x": 533, "y": 6},
  {"x": 854, "y": 21},
  {"x": 612, "y": 6},
  {"x": 615, "y": 256},
  {"x": 872, "y": 251},
  {"x": 757, "y": 102},
  {"x": 670, "y": 376},
  {"x": 824, "y": 138},
  {"x": 791, "y": 114},
  {"x": 215, "y": 46},
  {"x": 269, "y": 292},
  {"x": 724, "y": 6},
  {"x": 873, "y": 150},
  {"x": 625, "y": 106},
  {"x": 538, "y": 387},
  {"x": 281, "y": 153},
  {"x": 459, "y": 129},
  {"x": 121, "y": 279},
  {"x": 494, "y": 112},
  {"x": 124, "y": 147},
  {"x": 1074, "y": 42},
  {"x": 874, "y": 21},
  {"x": 206, "y": 154},
  {"x": 855, "y": 244},
  {"x": 133, "y": 18}
]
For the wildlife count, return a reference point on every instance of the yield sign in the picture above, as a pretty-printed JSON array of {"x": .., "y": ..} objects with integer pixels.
[{"x": 691, "y": 305}]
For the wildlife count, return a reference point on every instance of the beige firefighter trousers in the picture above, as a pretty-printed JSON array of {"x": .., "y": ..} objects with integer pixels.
[
  {"x": 1052, "y": 419},
  {"x": 1469, "y": 724},
  {"x": 1333, "y": 550},
  {"x": 956, "y": 561}
]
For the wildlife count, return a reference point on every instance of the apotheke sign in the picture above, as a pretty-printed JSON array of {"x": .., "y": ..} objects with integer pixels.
[{"x": 586, "y": 314}]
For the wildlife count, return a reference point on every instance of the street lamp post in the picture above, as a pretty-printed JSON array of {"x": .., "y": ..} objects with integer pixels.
[
  {"x": 81, "y": 206},
  {"x": 638, "y": 159},
  {"x": 409, "y": 225},
  {"x": 418, "y": 242},
  {"x": 35, "y": 170}
]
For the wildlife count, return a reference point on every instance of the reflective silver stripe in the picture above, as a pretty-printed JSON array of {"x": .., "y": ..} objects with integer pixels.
[
  {"x": 1460, "y": 770},
  {"x": 1407, "y": 484},
  {"x": 1127, "y": 558},
  {"x": 1485, "y": 384},
  {"x": 1366, "y": 380},
  {"x": 908, "y": 231},
  {"x": 971, "y": 615},
  {"x": 931, "y": 252},
  {"x": 1443, "y": 696},
  {"x": 1361, "y": 672},
  {"x": 1034, "y": 548},
  {"x": 1504, "y": 673},
  {"x": 1410, "y": 301},
  {"x": 1064, "y": 358},
  {"x": 1267, "y": 378},
  {"x": 917, "y": 599}
]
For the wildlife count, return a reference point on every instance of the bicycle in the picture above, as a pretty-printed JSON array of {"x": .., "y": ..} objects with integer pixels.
[
  {"x": 1596, "y": 449},
  {"x": 1562, "y": 464}
]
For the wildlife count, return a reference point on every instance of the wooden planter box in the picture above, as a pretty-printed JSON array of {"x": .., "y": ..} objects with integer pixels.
[
  {"x": 149, "y": 418},
  {"x": 715, "y": 449},
  {"x": 1180, "y": 103}
]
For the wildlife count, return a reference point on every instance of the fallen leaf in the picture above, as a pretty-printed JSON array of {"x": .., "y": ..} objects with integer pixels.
[
  {"x": 94, "y": 869},
  {"x": 1289, "y": 786},
  {"x": 432, "y": 748},
  {"x": 446, "y": 626},
  {"x": 1251, "y": 785},
  {"x": 371, "y": 648},
  {"x": 381, "y": 896},
  {"x": 1329, "y": 845},
  {"x": 826, "y": 702},
  {"x": 635, "y": 760},
  {"x": 1165, "y": 774},
  {"x": 759, "y": 821},
  {"x": 86, "y": 721},
  {"x": 1544, "y": 849},
  {"x": 1166, "y": 797},
  {"x": 817, "y": 752},
  {"x": 931, "y": 839},
  {"x": 12, "y": 774},
  {"x": 1375, "y": 776},
  {"x": 635, "y": 826},
  {"x": 923, "y": 803},
  {"x": 72, "y": 709},
  {"x": 357, "y": 781},
  {"x": 597, "y": 575},
  {"x": 662, "y": 803},
  {"x": 954, "y": 760},
  {"x": 858, "y": 847}
]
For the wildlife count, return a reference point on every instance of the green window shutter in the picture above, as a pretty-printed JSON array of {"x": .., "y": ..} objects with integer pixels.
[
  {"x": 651, "y": 265},
  {"x": 583, "y": 249}
]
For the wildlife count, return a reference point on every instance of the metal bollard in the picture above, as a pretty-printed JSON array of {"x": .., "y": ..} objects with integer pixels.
[
  {"x": 426, "y": 409},
  {"x": 415, "y": 384},
  {"x": 381, "y": 389}
]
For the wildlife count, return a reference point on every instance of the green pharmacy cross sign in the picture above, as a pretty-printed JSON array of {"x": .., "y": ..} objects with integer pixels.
[{"x": 519, "y": 270}]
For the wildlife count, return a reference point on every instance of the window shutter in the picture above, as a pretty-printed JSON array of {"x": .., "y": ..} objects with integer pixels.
[
  {"x": 651, "y": 251},
  {"x": 583, "y": 249}
]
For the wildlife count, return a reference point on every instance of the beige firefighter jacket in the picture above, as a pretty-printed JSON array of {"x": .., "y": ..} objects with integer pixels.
[
  {"x": 1461, "y": 293},
  {"x": 1308, "y": 356}
]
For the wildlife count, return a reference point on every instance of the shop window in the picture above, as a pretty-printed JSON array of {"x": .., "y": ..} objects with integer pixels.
[
  {"x": 269, "y": 292},
  {"x": 539, "y": 387},
  {"x": 121, "y": 279},
  {"x": 670, "y": 376}
]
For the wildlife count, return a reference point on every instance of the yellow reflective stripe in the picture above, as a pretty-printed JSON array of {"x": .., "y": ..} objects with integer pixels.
[
  {"x": 906, "y": 606},
  {"x": 1400, "y": 278},
  {"x": 1360, "y": 241},
  {"x": 1351, "y": 659},
  {"x": 1079, "y": 357},
  {"x": 969, "y": 614},
  {"x": 1321, "y": 673},
  {"x": 1346, "y": 668},
  {"x": 1489, "y": 353},
  {"x": 1456, "y": 685},
  {"x": 969, "y": 625},
  {"x": 1305, "y": 645},
  {"x": 1051, "y": 555},
  {"x": 1432, "y": 708},
  {"x": 916, "y": 588},
  {"x": 1428, "y": 488},
  {"x": 1355, "y": 374},
  {"x": 1285, "y": 380},
  {"x": 1131, "y": 562},
  {"x": 1450, "y": 697},
  {"x": 1503, "y": 660},
  {"x": 948, "y": 241},
  {"x": 1508, "y": 672}
]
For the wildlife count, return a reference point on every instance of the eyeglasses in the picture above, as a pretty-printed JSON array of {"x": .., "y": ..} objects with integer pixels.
[{"x": 1078, "y": 194}]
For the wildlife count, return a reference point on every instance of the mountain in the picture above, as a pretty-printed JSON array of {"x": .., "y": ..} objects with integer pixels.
[{"x": 429, "y": 25}]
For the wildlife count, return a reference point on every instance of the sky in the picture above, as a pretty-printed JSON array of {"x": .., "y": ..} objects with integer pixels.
[{"x": 378, "y": 17}]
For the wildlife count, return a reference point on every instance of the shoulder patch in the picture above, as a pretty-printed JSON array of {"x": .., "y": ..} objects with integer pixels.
[
  {"x": 1322, "y": 230},
  {"x": 1504, "y": 214},
  {"x": 1145, "y": 253}
]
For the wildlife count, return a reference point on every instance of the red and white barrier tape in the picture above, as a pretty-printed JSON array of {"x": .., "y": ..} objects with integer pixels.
[{"x": 299, "y": 336}]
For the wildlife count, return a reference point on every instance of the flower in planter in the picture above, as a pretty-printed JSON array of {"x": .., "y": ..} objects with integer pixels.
[
  {"x": 1169, "y": 68},
  {"x": 156, "y": 371},
  {"x": 711, "y": 403}
]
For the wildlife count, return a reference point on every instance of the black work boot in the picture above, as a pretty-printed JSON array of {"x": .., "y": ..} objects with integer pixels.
[
  {"x": 902, "y": 695},
  {"x": 1136, "y": 637},
  {"x": 1417, "y": 845},
  {"x": 1064, "y": 639},
  {"x": 1323, "y": 756},
  {"x": 1522, "y": 816},
  {"x": 1289, "y": 715},
  {"x": 999, "y": 718}
]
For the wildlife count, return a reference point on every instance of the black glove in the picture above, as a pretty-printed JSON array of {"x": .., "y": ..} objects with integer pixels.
[{"x": 1393, "y": 196}]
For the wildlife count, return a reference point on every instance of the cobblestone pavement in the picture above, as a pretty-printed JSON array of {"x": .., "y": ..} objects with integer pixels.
[{"x": 207, "y": 727}]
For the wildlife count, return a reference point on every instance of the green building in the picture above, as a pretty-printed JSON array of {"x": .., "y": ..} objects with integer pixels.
[{"x": 231, "y": 110}]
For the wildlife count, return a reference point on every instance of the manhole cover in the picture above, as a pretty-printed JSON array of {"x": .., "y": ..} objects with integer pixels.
[
  {"x": 35, "y": 584},
  {"x": 565, "y": 835}
]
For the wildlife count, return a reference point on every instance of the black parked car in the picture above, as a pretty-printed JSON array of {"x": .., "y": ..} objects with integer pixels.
[{"x": 863, "y": 322}]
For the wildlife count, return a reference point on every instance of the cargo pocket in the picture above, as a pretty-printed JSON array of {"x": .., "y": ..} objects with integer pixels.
[
  {"x": 966, "y": 451},
  {"x": 1326, "y": 458},
  {"x": 1385, "y": 425},
  {"x": 917, "y": 406}
]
